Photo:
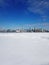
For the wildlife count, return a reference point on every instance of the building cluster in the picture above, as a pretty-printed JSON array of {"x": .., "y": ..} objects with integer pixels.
[{"x": 24, "y": 30}]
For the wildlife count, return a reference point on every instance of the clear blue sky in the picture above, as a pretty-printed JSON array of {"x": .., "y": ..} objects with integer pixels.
[{"x": 14, "y": 12}]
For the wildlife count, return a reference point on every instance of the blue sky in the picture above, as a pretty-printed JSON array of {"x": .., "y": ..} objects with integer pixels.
[{"x": 21, "y": 12}]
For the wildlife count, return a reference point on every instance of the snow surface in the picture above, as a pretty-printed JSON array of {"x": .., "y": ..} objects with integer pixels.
[{"x": 24, "y": 48}]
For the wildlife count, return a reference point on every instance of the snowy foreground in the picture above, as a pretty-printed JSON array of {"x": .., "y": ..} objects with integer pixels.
[{"x": 24, "y": 48}]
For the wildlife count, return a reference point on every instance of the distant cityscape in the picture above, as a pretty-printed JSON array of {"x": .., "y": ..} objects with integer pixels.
[{"x": 23, "y": 30}]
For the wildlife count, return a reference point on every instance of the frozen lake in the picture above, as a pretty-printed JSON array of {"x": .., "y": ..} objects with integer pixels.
[{"x": 24, "y": 48}]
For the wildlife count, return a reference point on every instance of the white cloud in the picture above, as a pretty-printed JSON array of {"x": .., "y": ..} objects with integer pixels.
[{"x": 38, "y": 6}]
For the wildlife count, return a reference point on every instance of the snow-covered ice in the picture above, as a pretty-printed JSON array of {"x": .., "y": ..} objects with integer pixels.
[{"x": 24, "y": 48}]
